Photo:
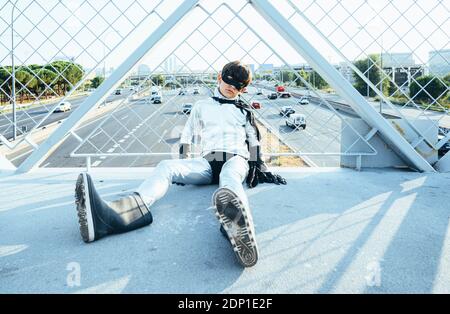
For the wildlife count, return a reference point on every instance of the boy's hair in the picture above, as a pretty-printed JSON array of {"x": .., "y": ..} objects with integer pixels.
[{"x": 237, "y": 74}]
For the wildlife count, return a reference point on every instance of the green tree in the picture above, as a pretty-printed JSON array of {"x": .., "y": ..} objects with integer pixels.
[
  {"x": 24, "y": 80},
  {"x": 370, "y": 67},
  {"x": 316, "y": 80},
  {"x": 427, "y": 88},
  {"x": 304, "y": 75},
  {"x": 68, "y": 74},
  {"x": 286, "y": 76},
  {"x": 97, "y": 81},
  {"x": 447, "y": 79},
  {"x": 5, "y": 83},
  {"x": 46, "y": 81},
  {"x": 158, "y": 80}
]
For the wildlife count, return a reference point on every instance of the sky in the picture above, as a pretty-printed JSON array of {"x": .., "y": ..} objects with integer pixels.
[{"x": 389, "y": 26}]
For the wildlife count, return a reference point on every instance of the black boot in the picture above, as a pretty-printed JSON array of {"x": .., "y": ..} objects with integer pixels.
[
  {"x": 237, "y": 225},
  {"x": 98, "y": 218}
]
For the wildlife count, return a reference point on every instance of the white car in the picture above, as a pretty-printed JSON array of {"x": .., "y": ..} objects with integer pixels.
[
  {"x": 296, "y": 120},
  {"x": 64, "y": 106},
  {"x": 187, "y": 107},
  {"x": 286, "y": 111},
  {"x": 157, "y": 99},
  {"x": 303, "y": 100}
]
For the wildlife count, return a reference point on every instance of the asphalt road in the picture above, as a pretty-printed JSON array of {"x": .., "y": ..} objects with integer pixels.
[
  {"x": 142, "y": 127},
  {"x": 29, "y": 118}
]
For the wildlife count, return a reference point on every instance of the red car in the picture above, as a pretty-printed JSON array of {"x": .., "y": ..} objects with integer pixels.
[
  {"x": 280, "y": 89},
  {"x": 256, "y": 105}
]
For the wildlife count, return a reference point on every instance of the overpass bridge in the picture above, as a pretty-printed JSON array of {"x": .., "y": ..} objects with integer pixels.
[{"x": 365, "y": 209}]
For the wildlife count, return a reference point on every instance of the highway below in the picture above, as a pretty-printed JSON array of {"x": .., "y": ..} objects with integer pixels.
[{"x": 139, "y": 126}]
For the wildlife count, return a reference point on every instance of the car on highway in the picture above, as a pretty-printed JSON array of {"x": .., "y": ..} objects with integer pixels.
[
  {"x": 303, "y": 100},
  {"x": 196, "y": 92},
  {"x": 63, "y": 107},
  {"x": 154, "y": 94},
  {"x": 186, "y": 109},
  {"x": 272, "y": 96},
  {"x": 286, "y": 111},
  {"x": 118, "y": 92},
  {"x": 256, "y": 105},
  {"x": 157, "y": 99},
  {"x": 182, "y": 92},
  {"x": 296, "y": 121},
  {"x": 284, "y": 95},
  {"x": 280, "y": 89}
]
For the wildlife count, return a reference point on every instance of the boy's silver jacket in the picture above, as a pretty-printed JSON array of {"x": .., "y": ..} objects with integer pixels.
[{"x": 219, "y": 127}]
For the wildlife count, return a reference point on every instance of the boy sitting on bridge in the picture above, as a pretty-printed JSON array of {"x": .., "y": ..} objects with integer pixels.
[{"x": 230, "y": 144}]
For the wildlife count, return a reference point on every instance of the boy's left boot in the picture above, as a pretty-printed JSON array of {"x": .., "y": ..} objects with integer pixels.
[{"x": 98, "y": 218}]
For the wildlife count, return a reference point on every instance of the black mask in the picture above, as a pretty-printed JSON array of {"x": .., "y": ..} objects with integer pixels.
[{"x": 231, "y": 81}]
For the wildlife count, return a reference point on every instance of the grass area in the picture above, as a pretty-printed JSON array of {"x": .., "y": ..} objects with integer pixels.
[
  {"x": 271, "y": 143},
  {"x": 437, "y": 106}
]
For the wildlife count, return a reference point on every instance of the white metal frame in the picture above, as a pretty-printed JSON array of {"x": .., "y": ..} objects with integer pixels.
[
  {"x": 108, "y": 85},
  {"x": 334, "y": 78}
]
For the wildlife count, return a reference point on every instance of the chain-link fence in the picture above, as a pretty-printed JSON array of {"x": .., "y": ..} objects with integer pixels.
[{"x": 394, "y": 54}]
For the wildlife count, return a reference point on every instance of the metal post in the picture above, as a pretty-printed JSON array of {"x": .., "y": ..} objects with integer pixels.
[
  {"x": 382, "y": 75},
  {"x": 13, "y": 79},
  {"x": 368, "y": 74}
]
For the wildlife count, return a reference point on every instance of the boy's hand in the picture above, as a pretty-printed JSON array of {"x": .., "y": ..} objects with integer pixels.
[
  {"x": 256, "y": 176},
  {"x": 268, "y": 177}
]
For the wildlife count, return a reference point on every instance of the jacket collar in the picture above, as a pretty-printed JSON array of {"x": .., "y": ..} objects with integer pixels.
[{"x": 219, "y": 95}]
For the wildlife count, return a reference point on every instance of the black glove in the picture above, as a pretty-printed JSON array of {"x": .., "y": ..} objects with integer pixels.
[
  {"x": 268, "y": 177},
  {"x": 256, "y": 176}
]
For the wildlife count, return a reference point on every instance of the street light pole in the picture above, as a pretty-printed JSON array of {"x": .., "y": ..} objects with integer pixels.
[
  {"x": 382, "y": 76},
  {"x": 13, "y": 78},
  {"x": 368, "y": 75}
]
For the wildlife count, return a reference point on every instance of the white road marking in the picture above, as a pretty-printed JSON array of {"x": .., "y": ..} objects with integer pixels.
[
  {"x": 96, "y": 163},
  {"x": 111, "y": 150}
]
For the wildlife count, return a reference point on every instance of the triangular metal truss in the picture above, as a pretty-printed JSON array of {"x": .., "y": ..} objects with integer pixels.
[{"x": 297, "y": 42}]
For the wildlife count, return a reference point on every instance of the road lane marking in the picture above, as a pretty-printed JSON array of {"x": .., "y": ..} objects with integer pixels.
[
  {"x": 111, "y": 150},
  {"x": 96, "y": 163}
]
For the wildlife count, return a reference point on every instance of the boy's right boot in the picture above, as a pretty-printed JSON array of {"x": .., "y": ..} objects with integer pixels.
[
  {"x": 237, "y": 225},
  {"x": 98, "y": 218}
]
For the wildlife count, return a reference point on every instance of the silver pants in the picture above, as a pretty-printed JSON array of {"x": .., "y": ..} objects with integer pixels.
[{"x": 195, "y": 171}]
